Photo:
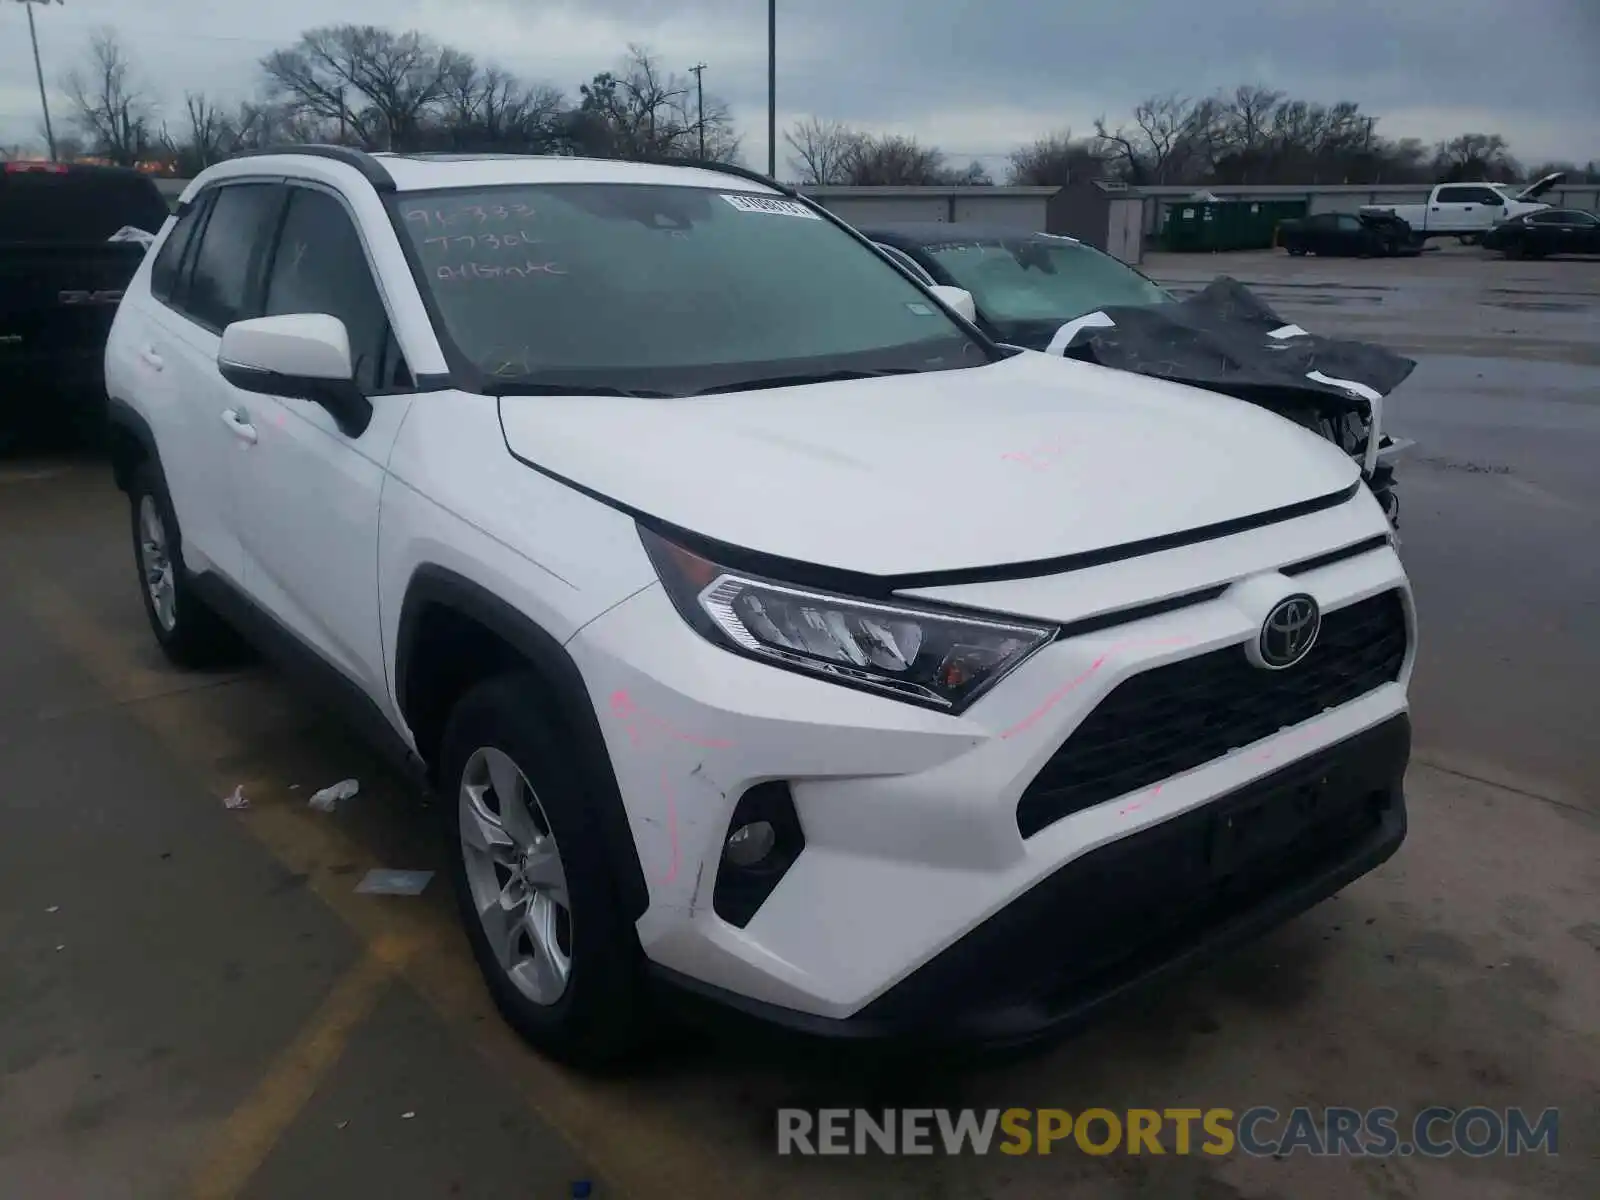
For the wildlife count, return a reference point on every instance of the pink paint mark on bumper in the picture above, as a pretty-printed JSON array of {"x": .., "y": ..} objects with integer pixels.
[
  {"x": 1061, "y": 693},
  {"x": 643, "y": 727}
]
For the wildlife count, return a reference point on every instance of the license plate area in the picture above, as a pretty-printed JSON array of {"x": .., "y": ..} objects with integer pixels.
[{"x": 1254, "y": 830}]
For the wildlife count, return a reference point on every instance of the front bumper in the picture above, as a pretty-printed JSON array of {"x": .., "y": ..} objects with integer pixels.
[
  {"x": 1137, "y": 910},
  {"x": 911, "y": 817}
]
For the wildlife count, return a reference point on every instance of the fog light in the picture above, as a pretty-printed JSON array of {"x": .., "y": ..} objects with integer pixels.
[
  {"x": 763, "y": 841},
  {"x": 750, "y": 844}
]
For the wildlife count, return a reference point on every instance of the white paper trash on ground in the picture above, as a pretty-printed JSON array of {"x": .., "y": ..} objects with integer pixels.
[
  {"x": 237, "y": 800},
  {"x": 325, "y": 799},
  {"x": 382, "y": 881}
]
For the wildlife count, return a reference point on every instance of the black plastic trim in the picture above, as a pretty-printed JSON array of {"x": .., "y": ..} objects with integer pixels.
[
  {"x": 1354, "y": 550},
  {"x": 722, "y": 168},
  {"x": 371, "y": 169},
  {"x": 122, "y": 415},
  {"x": 1139, "y": 612},
  {"x": 431, "y": 585},
  {"x": 301, "y": 663},
  {"x": 934, "y": 1006},
  {"x": 739, "y": 892}
]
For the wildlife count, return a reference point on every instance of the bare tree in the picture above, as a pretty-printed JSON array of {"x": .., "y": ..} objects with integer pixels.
[
  {"x": 488, "y": 108},
  {"x": 207, "y": 136},
  {"x": 1169, "y": 136},
  {"x": 378, "y": 85},
  {"x": 821, "y": 150},
  {"x": 1247, "y": 116},
  {"x": 1056, "y": 160},
  {"x": 893, "y": 160},
  {"x": 1473, "y": 156},
  {"x": 642, "y": 111},
  {"x": 115, "y": 117}
]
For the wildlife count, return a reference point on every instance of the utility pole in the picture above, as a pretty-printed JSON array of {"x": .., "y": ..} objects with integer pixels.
[
  {"x": 699, "y": 70},
  {"x": 38, "y": 71},
  {"x": 772, "y": 89}
]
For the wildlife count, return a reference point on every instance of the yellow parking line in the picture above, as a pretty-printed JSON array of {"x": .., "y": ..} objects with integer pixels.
[
  {"x": 253, "y": 1129},
  {"x": 637, "y": 1144}
]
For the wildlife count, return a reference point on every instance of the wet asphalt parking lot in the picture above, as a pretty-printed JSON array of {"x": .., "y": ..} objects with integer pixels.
[{"x": 194, "y": 1002}]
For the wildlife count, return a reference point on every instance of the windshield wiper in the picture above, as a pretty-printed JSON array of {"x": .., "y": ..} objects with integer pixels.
[
  {"x": 534, "y": 387},
  {"x": 776, "y": 381}
]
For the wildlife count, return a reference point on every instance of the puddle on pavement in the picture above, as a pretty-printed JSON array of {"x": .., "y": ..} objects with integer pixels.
[{"x": 1561, "y": 306}]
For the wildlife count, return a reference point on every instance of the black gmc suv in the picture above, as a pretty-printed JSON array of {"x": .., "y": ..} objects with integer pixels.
[{"x": 61, "y": 278}]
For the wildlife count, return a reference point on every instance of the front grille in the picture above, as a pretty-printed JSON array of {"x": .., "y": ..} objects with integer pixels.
[{"x": 1172, "y": 719}]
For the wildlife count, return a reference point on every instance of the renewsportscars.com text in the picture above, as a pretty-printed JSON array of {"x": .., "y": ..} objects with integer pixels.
[{"x": 1436, "y": 1132}]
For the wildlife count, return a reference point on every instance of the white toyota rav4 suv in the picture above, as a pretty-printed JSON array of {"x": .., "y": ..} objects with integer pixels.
[{"x": 777, "y": 638}]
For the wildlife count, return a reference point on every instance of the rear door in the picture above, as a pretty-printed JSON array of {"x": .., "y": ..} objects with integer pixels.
[
  {"x": 216, "y": 281},
  {"x": 1568, "y": 231}
]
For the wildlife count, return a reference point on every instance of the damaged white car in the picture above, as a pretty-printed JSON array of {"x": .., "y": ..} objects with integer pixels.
[{"x": 1055, "y": 294}]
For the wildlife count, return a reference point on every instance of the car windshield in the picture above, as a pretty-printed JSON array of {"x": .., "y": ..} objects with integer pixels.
[
  {"x": 667, "y": 291},
  {"x": 1041, "y": 278}
]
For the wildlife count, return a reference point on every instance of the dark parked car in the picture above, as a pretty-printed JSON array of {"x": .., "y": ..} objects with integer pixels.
[
  {"x": 1026, "y": 285},
  {"x": 61, "y": 278},
  {"x": 1374, "y": 235},
  {"x": 1549, "y": 231}
]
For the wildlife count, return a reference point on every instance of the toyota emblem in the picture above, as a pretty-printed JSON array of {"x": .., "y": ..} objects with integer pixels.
[{"x": 1289, "y": 632}]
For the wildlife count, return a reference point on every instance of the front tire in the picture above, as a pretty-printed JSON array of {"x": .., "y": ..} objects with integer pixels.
[
  {"x": 189, "y": 633},
  {"x": 1297, "y": 251},
  {"x": 533, "y": 880}
]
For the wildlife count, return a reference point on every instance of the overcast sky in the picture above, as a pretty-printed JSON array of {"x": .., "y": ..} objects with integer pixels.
[{"x": 973, "y": 78}]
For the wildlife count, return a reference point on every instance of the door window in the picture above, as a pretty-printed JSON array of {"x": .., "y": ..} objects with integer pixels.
[
  {"x": 222, "y": 284},
  {"x": 1348, "y": 224},
  {"x": 1469, "y": 194},
  {"x": 319, "y": 267},
  {"x": 169, "y": 273}
]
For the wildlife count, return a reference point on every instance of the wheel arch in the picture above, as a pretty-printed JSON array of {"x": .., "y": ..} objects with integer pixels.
[
  {"x": 132, "y": 441},
  {"x": 452, "y": 634}
]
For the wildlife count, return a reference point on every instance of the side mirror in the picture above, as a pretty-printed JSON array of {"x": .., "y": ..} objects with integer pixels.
[
  {"x": 957, "y": 300},
  {"x": 305, "y": 356}
]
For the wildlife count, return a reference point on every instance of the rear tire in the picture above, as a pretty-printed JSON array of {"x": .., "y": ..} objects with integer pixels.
[
  {"x": 533, "y": 880},
  {"x": 189, "y": 633}
]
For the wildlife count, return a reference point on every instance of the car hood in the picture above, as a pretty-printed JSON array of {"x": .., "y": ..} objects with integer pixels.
[
  {"x": 1030, "y": 458},
  {"x": 1541, "y": 185}
]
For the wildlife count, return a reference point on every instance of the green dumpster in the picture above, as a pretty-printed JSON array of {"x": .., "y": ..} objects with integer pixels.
[{"x": 1209, "y": 225}]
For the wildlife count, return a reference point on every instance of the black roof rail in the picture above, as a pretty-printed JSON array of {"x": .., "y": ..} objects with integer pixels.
[
  {"x": 723, "y": 168},
  {"x": 371, "y": 169}
]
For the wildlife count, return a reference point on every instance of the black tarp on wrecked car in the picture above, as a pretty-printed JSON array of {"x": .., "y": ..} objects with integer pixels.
[
  {"x": 1057, "y": 295},
  {"x": 1226, "y": 339}
]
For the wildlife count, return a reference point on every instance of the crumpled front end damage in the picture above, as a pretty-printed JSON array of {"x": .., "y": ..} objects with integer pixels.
[{"x": 1226, "y": 339}]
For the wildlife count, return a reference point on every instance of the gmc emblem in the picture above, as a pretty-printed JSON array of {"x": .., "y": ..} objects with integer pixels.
[{"x": 105, "y": 296}]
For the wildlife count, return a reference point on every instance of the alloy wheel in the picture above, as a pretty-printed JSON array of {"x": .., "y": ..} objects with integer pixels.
[
  {"x": 155, "y": 564},
  {"x": 515, "y": 875}
]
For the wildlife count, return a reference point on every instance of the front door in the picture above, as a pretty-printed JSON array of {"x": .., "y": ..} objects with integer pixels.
[
  {"x": 1465, "y": 208},
  {"x": 310, "y": 490}
]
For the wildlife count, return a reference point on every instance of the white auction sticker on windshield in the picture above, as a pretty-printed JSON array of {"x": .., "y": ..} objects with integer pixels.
[{"x": 766, "y": 204}]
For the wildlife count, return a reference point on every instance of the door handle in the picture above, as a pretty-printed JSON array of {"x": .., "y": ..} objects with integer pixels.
[
  {"x": 151, "y": 359},
  {"x": 239, "y": 423}
]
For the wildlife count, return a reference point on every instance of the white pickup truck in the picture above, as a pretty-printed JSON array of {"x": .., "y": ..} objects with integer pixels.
[{"x": 1468, "y": 210}]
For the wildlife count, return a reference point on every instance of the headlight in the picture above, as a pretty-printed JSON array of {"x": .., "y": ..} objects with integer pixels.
[{"x": 940, "y": 659}]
